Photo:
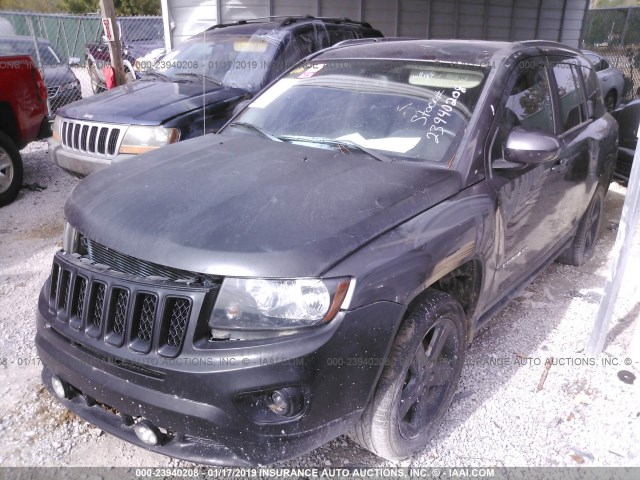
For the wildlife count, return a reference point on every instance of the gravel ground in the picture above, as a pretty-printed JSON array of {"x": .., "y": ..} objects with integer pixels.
[{"x": 505, "y": 413}]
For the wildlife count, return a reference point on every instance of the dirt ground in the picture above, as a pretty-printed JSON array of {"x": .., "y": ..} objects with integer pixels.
[{"x": 506, "y": 411}]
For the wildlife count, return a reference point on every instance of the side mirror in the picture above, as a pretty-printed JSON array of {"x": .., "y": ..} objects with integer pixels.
[
  {"x": 74, "y": 61},
  {"x": 241, "y": 106},
  {"x": 530, "y": 146}
]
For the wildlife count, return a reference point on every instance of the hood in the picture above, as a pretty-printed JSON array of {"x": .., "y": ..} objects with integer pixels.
[
  {"x": 56, "y": 75},
  {"x": 148, "y": 102},
  {"x": 240, "y": 205}
]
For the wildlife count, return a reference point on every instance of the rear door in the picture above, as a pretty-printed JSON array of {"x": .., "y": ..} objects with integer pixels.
[{"x": 573, "y": 124}]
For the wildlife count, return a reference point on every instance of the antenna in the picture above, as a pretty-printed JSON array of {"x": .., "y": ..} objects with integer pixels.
[{"x": 204, "y": 113}]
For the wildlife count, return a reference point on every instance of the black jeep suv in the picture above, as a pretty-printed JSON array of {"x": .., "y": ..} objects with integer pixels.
[
  {"x": 320, "y": 265},
  {"x": 190, "y": 91}
]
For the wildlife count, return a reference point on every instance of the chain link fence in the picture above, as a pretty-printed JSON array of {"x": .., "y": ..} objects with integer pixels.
[
  {"x": 614, "y": 33},
  {"x": 71, "y": 52}
]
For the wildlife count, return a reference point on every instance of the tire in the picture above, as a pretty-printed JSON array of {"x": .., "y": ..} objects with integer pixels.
[
  {"x": 10, "y": 170},
  {"x": 418, "y": 383},
  {"x": 610, "y": 101},
  {"x": 584, "y": 242}
]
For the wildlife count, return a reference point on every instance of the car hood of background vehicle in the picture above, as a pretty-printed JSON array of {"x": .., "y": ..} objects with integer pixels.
[
  {"x": 148, "y": 102},
  {"x": 240, "y": 205},
  {"x": 138, "y": 48},
  {"x": 56, "y": 75}
]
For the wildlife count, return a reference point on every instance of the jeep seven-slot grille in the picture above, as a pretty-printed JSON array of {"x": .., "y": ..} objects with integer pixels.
[
  {"x": 120, "y": 314},
  {"x": 179, "y": 317},
  {"x": 91, "y": 137}
]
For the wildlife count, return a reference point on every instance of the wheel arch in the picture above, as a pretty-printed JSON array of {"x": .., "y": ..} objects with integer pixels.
[
  {"x": 7, "y": 122},
  {"x": 462, "y": 280},
  {"x": 126, "y": 64}
]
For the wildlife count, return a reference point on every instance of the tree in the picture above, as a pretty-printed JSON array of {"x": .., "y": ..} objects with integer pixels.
[
  {"x": 123, "y": 7},
  {"x": 79, "y": 6},
  {"x": 44, "y": 6}
]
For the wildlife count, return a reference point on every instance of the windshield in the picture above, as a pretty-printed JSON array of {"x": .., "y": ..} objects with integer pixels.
[
  {"x": 415, "y": 111},
  {"x": 232, "y": 60},
  {"x": 47, "y": 54}
]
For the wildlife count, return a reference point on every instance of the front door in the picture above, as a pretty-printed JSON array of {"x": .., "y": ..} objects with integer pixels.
[{"x": 531, "y": 199}]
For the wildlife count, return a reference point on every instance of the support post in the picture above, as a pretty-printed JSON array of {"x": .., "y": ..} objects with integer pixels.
[
  {"x": 115, "y": 47},
  {"x": 621, "y": 249}
]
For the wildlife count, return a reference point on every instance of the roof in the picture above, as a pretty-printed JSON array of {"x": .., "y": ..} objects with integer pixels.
[
  {"x": 279, "y": 23},
  {"x": 474, "y": 52}
]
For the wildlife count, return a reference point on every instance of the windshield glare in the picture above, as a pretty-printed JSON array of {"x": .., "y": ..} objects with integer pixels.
[
  {"x": 240, "y": 61},
  {"x": 417, "y": 111},
  {"x": 48, "y": 55}
]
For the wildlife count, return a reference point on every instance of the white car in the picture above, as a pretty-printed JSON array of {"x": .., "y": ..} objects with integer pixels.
[
  {"x": 611, "y": 80},
  {"x": 6, "y": 28}
]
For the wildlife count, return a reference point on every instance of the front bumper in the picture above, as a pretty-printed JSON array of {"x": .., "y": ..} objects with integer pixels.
[
  {"x": 203, "y": 396},
  {"x": 77, "y": 163}
]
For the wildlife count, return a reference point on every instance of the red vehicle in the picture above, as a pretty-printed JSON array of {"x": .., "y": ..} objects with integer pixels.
[{"x": 23, "y": 118}]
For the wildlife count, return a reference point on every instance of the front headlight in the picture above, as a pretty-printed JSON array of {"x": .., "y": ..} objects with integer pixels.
[
  {"x": 140, "y": 139},
  {"x": 70, "y": 239},
  {"x": 255, "y": 308},
  {"x": 56, "y": 129}
]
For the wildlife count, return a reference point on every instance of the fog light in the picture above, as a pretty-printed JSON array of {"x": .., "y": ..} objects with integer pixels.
[
  {"x": 147, "y": 432},
  {"x": 60, "y": 387},
  {"x": 285, "y": 401},
  {"x": 279, "y": 402}
]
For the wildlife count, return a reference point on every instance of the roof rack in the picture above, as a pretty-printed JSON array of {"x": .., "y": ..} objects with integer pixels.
[
  {"x": 358, "y": 41},
  {"x": 289, "y": 19}
]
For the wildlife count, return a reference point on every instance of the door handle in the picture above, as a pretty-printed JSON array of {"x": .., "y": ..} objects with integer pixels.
[
  {"x": 560, "y": 167},
  {"x": 604, "y": 79}
]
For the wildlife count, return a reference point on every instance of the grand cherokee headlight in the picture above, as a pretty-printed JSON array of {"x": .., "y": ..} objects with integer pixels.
[
  {"x": 70, "y": 238},
  {"x": 140, "y": 139},
  {"x": 255, "y": 308}
]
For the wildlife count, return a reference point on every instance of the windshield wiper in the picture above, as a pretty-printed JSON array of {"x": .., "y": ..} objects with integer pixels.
[
  {"x": 261, "y": 131},
  {"x": 154, "y": 74},
  {"x": 346, "y": 144},
  {"x": 200, "y": 76}
]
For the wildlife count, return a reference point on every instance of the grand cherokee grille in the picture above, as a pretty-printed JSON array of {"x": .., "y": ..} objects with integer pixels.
[
  {"x": 52, "y": 91},
  {"x": 90, "y": 137},
  {"x": 120, "y": 262},
  {"x": 119, "y": 311}
]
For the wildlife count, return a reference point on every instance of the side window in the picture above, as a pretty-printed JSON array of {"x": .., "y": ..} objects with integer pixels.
[
  {"x": 570, "y": 95},
  {"x": 323, "y": 32},
  {"x": 336, "y": 34},
  {"x": 528, "y": 105},
  {"x": 351, "y": 33},
  {"x": 595, "y": 61},
  {"x": 302, "y": 43}
]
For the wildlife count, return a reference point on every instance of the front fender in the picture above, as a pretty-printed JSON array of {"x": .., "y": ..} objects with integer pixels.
[
  {"x": 201, "y": 121},
  {"x": 400, "y": 264}
]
